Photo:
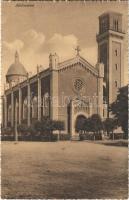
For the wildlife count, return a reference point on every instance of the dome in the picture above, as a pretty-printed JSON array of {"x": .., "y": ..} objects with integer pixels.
[{"x": 16, "y": 70}]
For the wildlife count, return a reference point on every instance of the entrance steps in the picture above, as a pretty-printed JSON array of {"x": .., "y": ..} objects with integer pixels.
[{"x": 75, "y": 137}]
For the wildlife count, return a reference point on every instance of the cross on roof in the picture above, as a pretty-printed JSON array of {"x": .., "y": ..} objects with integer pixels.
[{"x": 78, "y": 50}]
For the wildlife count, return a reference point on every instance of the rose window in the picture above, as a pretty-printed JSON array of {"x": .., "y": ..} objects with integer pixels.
[{"x": 78, "y": 84}]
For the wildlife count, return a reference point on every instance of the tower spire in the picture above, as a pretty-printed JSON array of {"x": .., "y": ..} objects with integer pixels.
[{"x": 16, "y": 57}]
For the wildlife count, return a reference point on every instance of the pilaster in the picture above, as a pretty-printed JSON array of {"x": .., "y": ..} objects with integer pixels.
[
  {"x": 100, "y": 97},
  {"x": 16, "y": 120},
  {"x": 12, "y": 108},
  {"x": 28, "y": 103},
  {"x": 20, "y": 104},
  {"x": 5, "y": 111},
  {"x": 39, "y": 95},
  {"x": 54, "y": 95},
  {"x": 90, "y": 109},
  {"x": 72, "y": 129},
  {"x": 122, "y": 65},
  {"x": 110, "y": 70},
  {"x": 100, "y": 88}
]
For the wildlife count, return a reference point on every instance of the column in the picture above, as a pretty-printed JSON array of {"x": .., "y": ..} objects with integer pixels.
[
  {"x": 122, "y": 65},
  {"x": 90, "y": 109},
  {"x": 110, "y": 72},
  {"x": 39, "y": 98},
  {"x": 53, "y": 63},
  {"x": 28, "y": 102},
  {"x": 100, "y": 97},
  {"x": 12, "y": 109},
  {"x": 100, "y": 89},
  {"x": 2, "y": 111},
  {"x": 16, "y": 121},
  {"x": 20, "y": 104},
  {"x": 105, "y": 111},
  {"x": 5, "y": 111},
  {"x": 54, "y": 95},
  {"x": 72, "y": 129}
]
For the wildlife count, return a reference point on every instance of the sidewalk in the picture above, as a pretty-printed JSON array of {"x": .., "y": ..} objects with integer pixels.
[{"x": 121, "y": 142}]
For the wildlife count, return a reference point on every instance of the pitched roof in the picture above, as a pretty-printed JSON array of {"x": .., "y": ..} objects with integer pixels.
[{"x": 82, "y": 61}]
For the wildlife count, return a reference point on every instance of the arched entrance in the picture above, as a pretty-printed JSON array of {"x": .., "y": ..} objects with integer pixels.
[
  {"x": 79, "y": 110},
  {"x": 79, "y": 123}
]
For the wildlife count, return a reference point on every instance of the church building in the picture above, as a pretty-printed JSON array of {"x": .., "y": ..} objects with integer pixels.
[{"x": 68, "y": 90}]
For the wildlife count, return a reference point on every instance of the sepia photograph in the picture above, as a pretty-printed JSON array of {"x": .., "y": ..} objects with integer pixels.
[{"x": 64, "y": 100}]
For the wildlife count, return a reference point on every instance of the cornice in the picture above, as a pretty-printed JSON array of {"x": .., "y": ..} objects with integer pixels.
[
  {"x": 109, "y": 33},
  {"x": 78, "y": 60},
  {"x": 62, "y": 66}
]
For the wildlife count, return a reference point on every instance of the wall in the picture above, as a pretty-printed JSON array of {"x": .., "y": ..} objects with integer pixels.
[
  {"x": 116, "y": 74},
  {"x": 66, "y": 87}
]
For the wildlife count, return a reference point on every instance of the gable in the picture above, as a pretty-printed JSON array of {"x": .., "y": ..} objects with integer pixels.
[
  {"x": 81, "y": 62},
  {"x": 68, "y": 76},
  {"x": 70, "y": 79}
]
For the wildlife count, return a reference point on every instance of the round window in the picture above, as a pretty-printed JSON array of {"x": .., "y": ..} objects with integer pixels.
[{"x": 78, "y": 84}]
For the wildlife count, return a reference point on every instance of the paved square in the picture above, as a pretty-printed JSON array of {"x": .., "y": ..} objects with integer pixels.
[{"x": 63, "y": 170}]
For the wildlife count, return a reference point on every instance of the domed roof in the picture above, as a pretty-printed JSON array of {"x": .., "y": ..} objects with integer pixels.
[{"x": 16, "y": 68}]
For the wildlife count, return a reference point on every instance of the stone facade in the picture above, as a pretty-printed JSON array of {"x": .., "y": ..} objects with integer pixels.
[{"x": 110, "y": 52}]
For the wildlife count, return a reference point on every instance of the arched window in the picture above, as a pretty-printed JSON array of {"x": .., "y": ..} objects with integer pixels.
[
  {"x": 25, "y": 110},
  {"x": 104, "y": 94},
  {"x": 103, "y": 25},
  {"x": 114, "y": 24},
  {"x": 9, "y": 113},
  {"x": 115, "y": 83},
  {"x": 116, "y": 52},
  {"x": 46, "y": 104},
  {"x": 34, "y": 107},
  {"x": 117, "y": 25},
  {"x": 116, "y": 65}
]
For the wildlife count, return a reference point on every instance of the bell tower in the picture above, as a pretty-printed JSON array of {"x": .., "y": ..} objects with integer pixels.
[{"x": 110, "y": 53}]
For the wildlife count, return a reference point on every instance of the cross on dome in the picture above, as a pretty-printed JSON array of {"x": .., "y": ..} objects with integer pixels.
[{"x": 16, "y": 57}]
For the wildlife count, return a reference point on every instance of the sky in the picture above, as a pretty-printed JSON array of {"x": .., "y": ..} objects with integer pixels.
[{"x": 49, "y": 27}]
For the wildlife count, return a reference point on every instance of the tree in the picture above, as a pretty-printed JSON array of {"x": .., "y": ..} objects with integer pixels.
[
  {"x": 80, "y": 123},
  {"x": 38, "y": 126},
  {"x": 110, "y": 125},
  {"x": 48, "y": 126},
  {"x": 87, "y": 125},
  {"x": 8, "y": 131},
  {"x": 8, "y": 124},
  {"x": 58, "y": 125},
  {"x": 96, "y": 124},
  {"x": 44, "y": 127},
  {"x": 119, "y": 109},
  {"x": 22, "y": 128},
  {"x": 32, "y": 131}
]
